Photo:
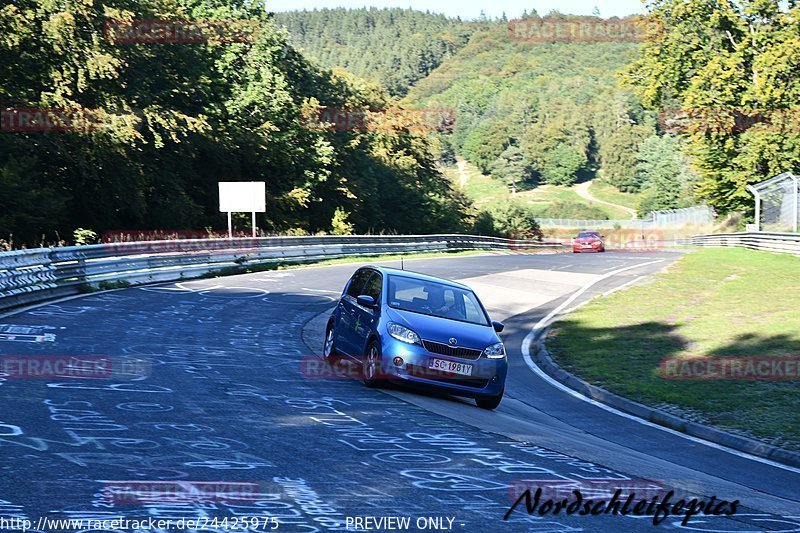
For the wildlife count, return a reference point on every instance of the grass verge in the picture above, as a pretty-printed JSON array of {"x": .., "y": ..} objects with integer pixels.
[
  {"x": 608, "y": 193},
  {"x": 711, "y": 303}
]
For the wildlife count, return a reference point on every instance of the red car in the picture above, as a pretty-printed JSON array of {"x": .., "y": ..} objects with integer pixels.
[{"x": 588, "y": 241}]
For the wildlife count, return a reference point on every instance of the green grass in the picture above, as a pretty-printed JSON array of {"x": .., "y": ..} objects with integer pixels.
[
  {"x": 487, "y": 192},
  {"x": 483, "y": 190},
  {"x": 712, "y": 303},
  {"x": 608, "y": 193}
]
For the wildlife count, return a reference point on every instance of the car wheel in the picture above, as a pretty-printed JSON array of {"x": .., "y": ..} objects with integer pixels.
[
  {"x": 329, "y": 348},
  {"x": 490, "y": 402},
  {"x": 372, "y": 366}
]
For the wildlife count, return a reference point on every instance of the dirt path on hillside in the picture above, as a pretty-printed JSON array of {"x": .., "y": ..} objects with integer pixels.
[
  {"x": 583, "y": 190},
  {"x": 462, "y": 165}
]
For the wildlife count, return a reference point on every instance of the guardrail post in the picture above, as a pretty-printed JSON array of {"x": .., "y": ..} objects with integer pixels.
[
  {"x": 794, "y": 216},
  {"x": 758, "y": 206}
]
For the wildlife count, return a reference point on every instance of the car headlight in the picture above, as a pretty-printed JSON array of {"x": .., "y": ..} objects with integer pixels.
[
  {"x": 495, "y": 351},
  {"x": 402, "y": 333}
]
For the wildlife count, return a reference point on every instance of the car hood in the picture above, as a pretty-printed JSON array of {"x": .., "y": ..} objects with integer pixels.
[
  {"x": 437, "y": 329},
  {"x": 586, "y": 240}
]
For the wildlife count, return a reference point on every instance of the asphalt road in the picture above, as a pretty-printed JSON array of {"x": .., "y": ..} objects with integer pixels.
[{"x": 219, "y": 394}]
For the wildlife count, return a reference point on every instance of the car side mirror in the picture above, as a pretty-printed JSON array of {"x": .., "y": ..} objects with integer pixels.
[
  {"x": 498, "y": 326},
  {"x": 366, "y": 301}
]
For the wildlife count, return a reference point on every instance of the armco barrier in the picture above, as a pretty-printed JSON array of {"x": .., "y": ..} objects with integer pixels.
[
  {"x": 788, "y": 243},
  {"x": 29, "y": 276}
]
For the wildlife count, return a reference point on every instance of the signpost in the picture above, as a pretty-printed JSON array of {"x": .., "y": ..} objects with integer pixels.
[{"x": 242, "y": 197}]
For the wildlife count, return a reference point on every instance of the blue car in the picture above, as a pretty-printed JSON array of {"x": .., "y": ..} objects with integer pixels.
[{"x": 406, "y": 327}]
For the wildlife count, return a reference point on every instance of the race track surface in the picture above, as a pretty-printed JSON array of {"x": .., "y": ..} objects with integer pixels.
[{"x": 219, "y": 393}]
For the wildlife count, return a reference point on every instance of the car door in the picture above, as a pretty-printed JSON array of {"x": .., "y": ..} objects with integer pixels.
[
  {"x": 367, "y": 318},
  {"x": 345, "y": 328}
]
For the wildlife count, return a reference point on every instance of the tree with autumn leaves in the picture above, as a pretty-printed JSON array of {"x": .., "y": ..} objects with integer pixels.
[{"x": 730, "y": 70}]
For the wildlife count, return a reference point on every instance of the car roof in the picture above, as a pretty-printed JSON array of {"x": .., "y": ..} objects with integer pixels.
[{"x": 416, "y": 275}]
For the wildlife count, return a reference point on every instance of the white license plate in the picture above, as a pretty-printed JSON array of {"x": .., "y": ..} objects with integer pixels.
[
  {"x": 450, "y": 366},
  {"x": 587, "y": 245}
]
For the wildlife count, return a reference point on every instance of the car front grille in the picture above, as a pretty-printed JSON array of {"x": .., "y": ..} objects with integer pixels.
[
  {"x": 452, "y": 351},
  {"x": 446, "y": 377}
]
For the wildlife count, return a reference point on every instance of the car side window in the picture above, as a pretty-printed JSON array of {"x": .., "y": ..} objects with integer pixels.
[
  {"x": 357, "y": 283},
  {"x": 374, "y": 286},
  {"x": 473, "y": 314}
]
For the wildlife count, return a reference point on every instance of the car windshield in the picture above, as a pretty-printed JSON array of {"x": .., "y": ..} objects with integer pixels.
[
  {"x": 583, "y": 234},
  {"x": 435, "y": 299}
]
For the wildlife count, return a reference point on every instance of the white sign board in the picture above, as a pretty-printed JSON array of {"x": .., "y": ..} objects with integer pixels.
[{"x": 242, "y": 197}]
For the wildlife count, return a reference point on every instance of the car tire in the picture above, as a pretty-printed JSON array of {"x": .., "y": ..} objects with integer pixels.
[
  {"x": 372, "y": 366},
  {"x": 329, "y": 354},
  {"x": 490, "y": 403}
]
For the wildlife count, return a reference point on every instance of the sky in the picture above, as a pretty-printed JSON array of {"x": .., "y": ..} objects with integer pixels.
[{"x": 471, "y": 9}]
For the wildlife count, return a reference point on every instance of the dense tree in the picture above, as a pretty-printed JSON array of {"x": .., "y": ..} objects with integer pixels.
[
  {"x": 561, "y": 165},
  {"x": 394, "y": 47},
  {"x": 179, "y": 117},
  {"x": 663, "y": 175},
  {"x": 512, "y": 167},
  {"x": 618, "y": 154},
  {"x": 720, "y": 63}
]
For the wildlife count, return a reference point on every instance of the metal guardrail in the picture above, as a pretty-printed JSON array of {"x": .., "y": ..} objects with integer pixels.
[
  {"x": 666, "y": 218},
  {"x": 30, "y": 276},
  {"x": 787, "y": 243}
]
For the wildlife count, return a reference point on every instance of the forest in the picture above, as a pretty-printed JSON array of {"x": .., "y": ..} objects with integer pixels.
[{"x": 171, "y": 119}]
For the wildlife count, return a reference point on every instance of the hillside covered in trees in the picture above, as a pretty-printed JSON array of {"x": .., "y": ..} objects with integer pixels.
[
  {"x": 393, "y": 47},
  {"x": 529, "y": 113},
  {"x": 526, "y": 113}
]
